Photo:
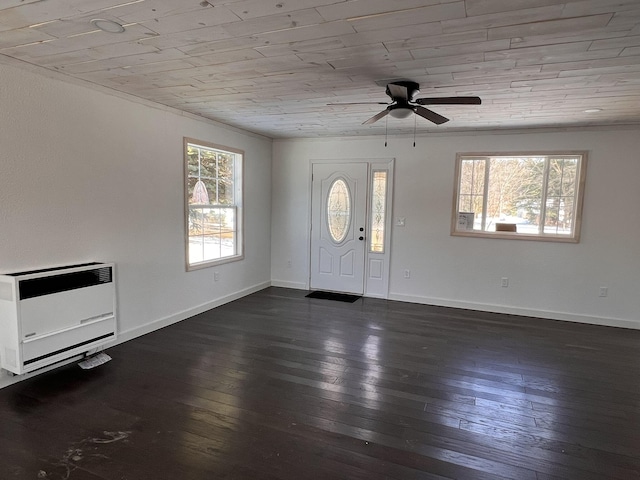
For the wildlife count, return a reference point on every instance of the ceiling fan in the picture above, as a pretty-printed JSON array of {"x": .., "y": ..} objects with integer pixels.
[{"x": 403, "y": 103}]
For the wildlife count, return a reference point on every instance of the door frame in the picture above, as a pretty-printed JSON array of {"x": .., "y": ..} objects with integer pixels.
[{"x": 377, "y": 265}]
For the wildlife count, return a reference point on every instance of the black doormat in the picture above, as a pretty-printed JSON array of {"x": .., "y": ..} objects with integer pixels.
[{"x": 340, "y": 297}]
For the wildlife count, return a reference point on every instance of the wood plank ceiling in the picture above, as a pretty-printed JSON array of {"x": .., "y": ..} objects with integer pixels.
[{"x": 272, "y": 66}]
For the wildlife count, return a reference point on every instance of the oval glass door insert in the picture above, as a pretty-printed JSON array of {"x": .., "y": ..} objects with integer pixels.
[{"x": 338, "y": 210}]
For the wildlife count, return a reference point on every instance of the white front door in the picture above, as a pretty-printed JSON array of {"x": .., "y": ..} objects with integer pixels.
[{"x": 338, "y": 226}]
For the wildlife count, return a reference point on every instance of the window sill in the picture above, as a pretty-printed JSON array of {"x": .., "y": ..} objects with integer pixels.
[
  {"x": 517, "y": 236},
  {"x": 214, "y": 263}
]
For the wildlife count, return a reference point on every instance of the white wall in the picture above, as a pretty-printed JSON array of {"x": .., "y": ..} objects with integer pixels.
[
  {"x": 552, "y": 280},
  {"x": 87, "y": 176}
]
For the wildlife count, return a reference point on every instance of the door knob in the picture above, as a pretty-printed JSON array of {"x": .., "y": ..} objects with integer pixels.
[{"x": 361, "y": 238}]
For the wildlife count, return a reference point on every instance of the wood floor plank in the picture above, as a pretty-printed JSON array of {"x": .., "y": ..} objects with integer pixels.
[{"x": 279, "y": 386}]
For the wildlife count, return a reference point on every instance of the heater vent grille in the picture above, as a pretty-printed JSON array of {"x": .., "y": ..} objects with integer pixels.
[{"x": 36, "y": 287}]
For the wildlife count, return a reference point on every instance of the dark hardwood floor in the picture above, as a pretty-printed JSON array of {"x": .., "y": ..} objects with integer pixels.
[{"x": 279, "y": 386}]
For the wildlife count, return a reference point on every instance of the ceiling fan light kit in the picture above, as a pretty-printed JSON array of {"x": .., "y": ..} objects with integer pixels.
[{"x": 401, "y": 112}]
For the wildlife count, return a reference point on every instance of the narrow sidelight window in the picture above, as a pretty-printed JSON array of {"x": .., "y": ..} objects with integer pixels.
[{"x": 378, "y": 213}]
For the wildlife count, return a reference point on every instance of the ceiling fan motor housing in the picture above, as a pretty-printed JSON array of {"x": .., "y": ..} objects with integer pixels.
[{"x": 413, "y": 89}]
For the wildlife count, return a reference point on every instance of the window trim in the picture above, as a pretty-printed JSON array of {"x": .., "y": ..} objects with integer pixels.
[
  {"x": 238, "y": 204},
  {"x": 579, "y": 198}
]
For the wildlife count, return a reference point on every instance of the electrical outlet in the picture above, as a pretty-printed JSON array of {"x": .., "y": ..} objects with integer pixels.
[
  {"x": 216, "y": 276},
  {"x": 407, "y": 274},
  {"x": 504, "y": 282},
  {"x": 289, "y": 263},
  {"x": 604, "y": 291},
  {"x": 400, "y": 221}
]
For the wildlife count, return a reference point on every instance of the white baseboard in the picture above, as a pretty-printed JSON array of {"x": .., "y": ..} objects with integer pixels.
[
  {"x": 284, "y": 284},
  {"x": 525, "y": 312},
  {"x": 132, "y": 333},
  {"x": 124, "y": 336}
]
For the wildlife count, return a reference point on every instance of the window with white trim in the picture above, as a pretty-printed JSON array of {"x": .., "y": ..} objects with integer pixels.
[
  {"x": 213, "y": 201},
  {"x": 519, "y": 195}
]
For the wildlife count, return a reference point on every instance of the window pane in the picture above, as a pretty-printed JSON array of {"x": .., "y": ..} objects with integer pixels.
[
  {"x": 561, "y": 187},
  {"x": 208, "y": 164},
  {"x": 193, "y": 156},
  {"x": 228, "y": 219},
  {"x": 562, "y": 177},
  {"x": 566, "y": 216},
  {"x": 570, "y": 177},
  {"x": 226, "y": 238},
  {"x": 200, "y": 191},
  {"x": 502, "y": 191},
  {"x": 559, "y": 216},
  {"x": 196, "y": 221},
  {"x": 211, "y": 223},
  {"x": 196, "y": 251},
  {"x": 472, "y": 177},
  {"x": 191, "y": 182},
  {"x": 471, "y": 198},
  {"x": 225, "y": 164},
  {"x": 556, "y": 170},
  {"x": 210, "y": 186},
  {"x": 529, "y": 203},
  {"x": 378, "y": 207},
  {"x": 225, "y": 192},
  {"x": 211, "y": 247}
]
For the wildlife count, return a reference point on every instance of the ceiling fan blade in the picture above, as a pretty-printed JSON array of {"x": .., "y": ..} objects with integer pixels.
[
  {"x": 431, "y": 116},
  {"x": 377, "y": 117},
  {"x": 449, "y": 101},
  {"x": 398, "y": 92},
  {"x": 360, "y": 103}
]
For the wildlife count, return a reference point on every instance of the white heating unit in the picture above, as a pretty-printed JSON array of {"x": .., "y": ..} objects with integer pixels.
[{"x": 51, "y": 315}]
